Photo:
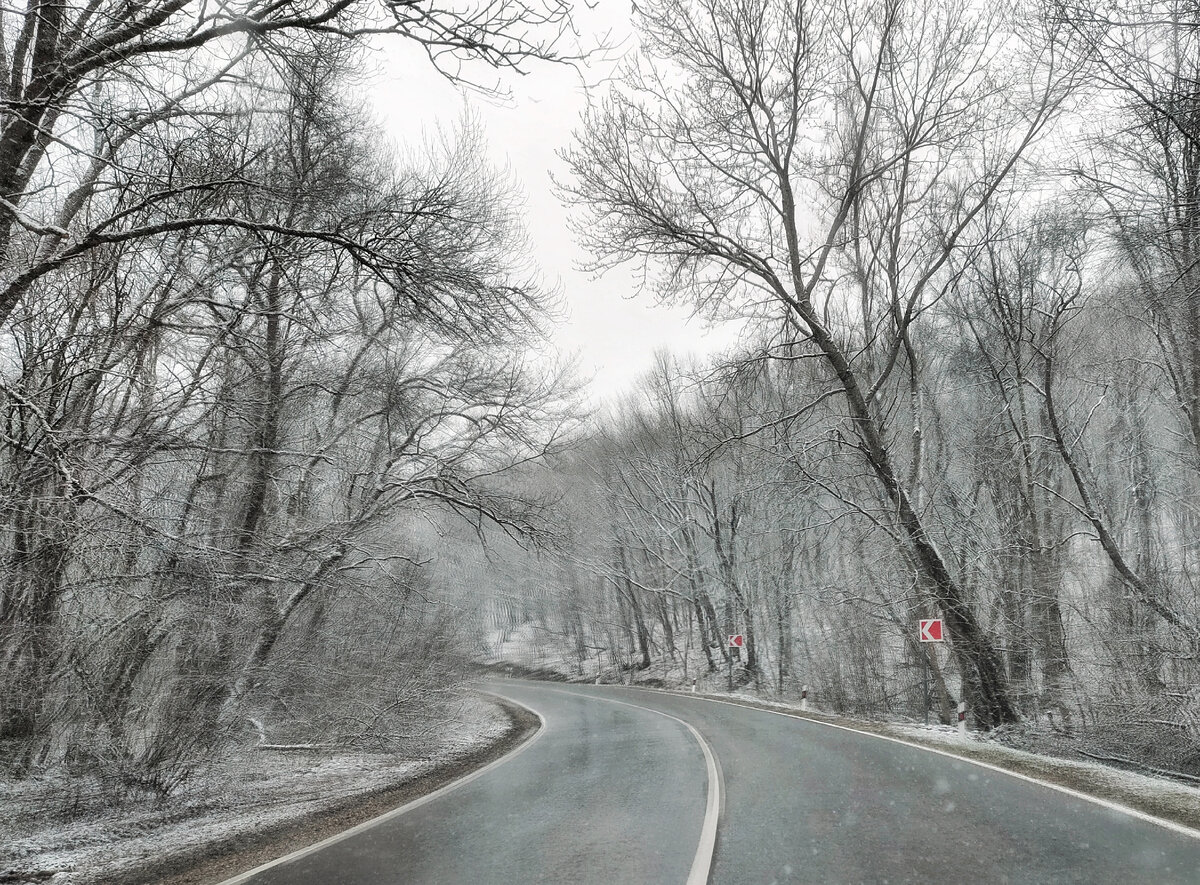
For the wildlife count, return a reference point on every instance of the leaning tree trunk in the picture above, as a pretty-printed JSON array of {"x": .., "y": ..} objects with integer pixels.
[{"x": 976, "y": 654}]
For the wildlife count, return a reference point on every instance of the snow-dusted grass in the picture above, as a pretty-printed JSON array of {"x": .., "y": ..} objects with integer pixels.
[{"x": 250, "y": 791}]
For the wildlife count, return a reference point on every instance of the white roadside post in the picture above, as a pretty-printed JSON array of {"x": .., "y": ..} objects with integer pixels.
[
  {"x": 962, "y": 718},
  {"x": 693, "y": 685},
  {"x": 804, "y": 698}
]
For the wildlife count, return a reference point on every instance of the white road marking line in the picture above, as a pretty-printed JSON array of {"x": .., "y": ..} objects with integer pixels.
[
  {"x": 395, "y": 812},
  {"x": 702, "y": 862},
  {"x": 1087, "y": 797}
]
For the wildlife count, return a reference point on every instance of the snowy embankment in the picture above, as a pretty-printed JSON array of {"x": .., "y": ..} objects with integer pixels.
[
  {"x": 254, "y": 797},
  {"x": 540, "y": 653}
]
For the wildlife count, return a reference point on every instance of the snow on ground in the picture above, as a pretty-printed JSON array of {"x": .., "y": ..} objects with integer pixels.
[
  {"x": 531, "y": 647},
  {"x": 250, "y": 791},
  {"x": 534, "y": 648}
]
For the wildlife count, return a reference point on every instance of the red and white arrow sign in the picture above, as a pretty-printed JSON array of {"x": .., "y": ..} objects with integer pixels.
[
  {"x": 737, "y": 641},
  {"x": 931, "y": 629}
]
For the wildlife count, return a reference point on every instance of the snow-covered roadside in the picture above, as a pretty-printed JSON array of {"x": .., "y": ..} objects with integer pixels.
[
  {"x": 1159, "y": 797},
  {"x": 1151, "y": 794},
  {"x": 252, "y": 792}
]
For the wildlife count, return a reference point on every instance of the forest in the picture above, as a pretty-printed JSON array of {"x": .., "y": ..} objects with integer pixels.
[
  {"x": 963, "y": 243},
  {"x": 285, "y": 448},
  {"x": 245, "y": 346}
]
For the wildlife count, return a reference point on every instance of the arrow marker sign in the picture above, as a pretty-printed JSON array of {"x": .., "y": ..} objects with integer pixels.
[
  {"x": 736, "y": 641},
  {"x": 931, "y": 629}
]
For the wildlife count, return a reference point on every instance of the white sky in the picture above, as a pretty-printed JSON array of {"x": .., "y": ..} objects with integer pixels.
[{"x": 610, "y": 327}]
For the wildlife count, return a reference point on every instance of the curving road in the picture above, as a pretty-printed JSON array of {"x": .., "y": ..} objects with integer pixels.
[
  {"x": 620, "y": 786},
  {"x": 605, "y": 793}
]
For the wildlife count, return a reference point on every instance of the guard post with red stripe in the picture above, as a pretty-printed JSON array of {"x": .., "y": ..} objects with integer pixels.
[{"x": 962, "y": 717}]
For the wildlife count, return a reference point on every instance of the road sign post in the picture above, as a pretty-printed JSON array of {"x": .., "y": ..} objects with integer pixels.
[
  {"x": 929, "y": 630},
  {"x": 925, "y": 684},
  {"x": 736, "y": 641}
]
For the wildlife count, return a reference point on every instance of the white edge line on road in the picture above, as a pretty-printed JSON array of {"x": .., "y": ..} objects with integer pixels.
[
  {"x": 1087, "y": 797},
  {"x": 396, "y": 812},
  {"x": 702, "y": 862}
]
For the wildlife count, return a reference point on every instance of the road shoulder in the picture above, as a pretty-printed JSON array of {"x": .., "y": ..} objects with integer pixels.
[{"x": 1158, "y": 799}]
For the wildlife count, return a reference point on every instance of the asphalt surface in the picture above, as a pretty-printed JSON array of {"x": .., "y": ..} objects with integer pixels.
[
  {"x": 613, "y": 793},
  {"x": 608, "y": 793}
]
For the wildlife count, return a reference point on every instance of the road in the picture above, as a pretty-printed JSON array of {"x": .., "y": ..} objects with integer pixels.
[{"x": 618, "y": 788}]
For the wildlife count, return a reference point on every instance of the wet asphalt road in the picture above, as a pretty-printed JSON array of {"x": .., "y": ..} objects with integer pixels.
[
  {"x": 608, "y": 793},
  {"x": 613, "y": 794}
]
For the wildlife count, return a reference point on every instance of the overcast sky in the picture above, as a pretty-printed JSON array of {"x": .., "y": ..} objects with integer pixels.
[{"x": 612, "y": 328}]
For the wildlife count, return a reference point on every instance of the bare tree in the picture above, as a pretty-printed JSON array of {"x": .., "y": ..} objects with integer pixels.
[
  {"x": 86, "y": 85},
  {"x": 218, "y": 424},
  {"x": 812, "y": 157}
]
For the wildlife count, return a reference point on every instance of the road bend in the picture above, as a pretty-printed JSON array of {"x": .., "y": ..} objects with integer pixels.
[
  {"x": 614, "y": 792},
  {"x": 609, "y": 792},
  {"x": 808, "y": 803}
]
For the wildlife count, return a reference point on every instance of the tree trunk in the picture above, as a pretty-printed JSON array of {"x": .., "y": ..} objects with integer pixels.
[{"x": 976, "y": 654}]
